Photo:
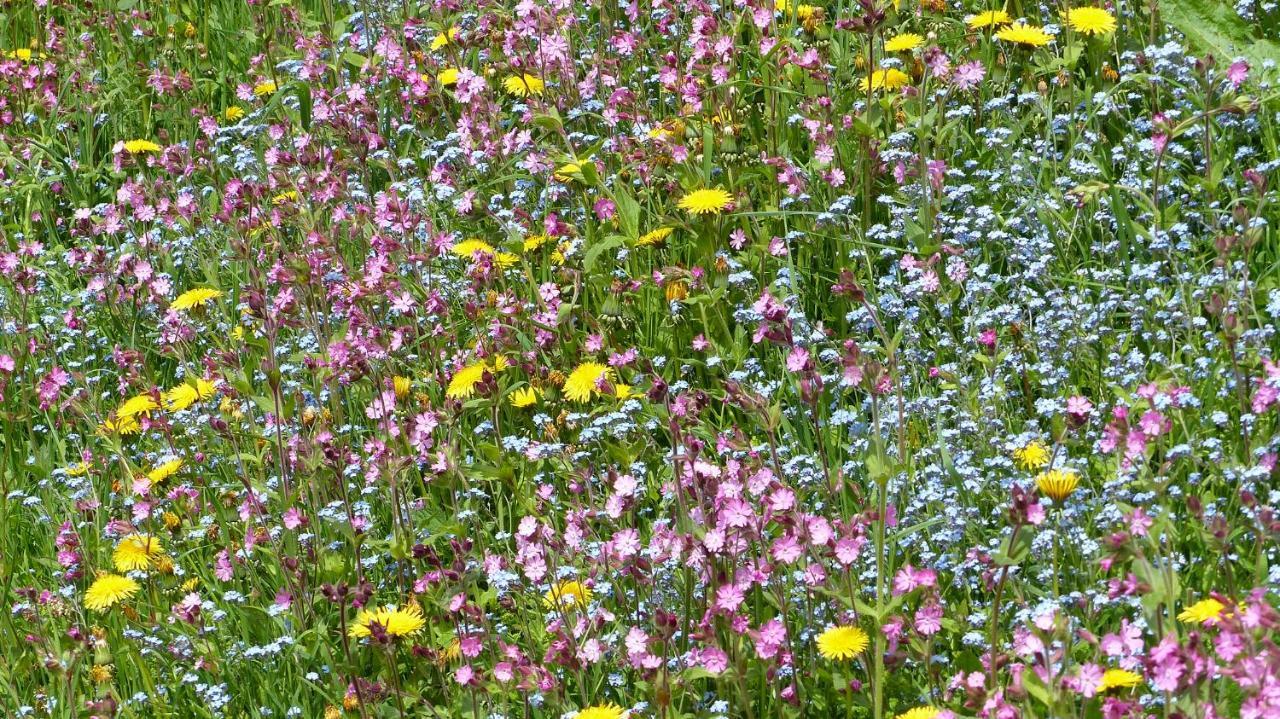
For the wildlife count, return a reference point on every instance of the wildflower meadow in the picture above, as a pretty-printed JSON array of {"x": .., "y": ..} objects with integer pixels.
[{"x": 639, "y": 359}]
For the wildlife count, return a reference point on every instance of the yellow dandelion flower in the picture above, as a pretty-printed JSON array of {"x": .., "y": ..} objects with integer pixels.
[
  {"x": 1204, "y": 611},
  {"x": 442, "y": 40},
  {"x": 887, "y": 79},
  {"x": 137, "y": 552},
  {"x": 180, "y": 397},
  {"x": 165, "y": 470},
  {"x": 164, "y": 565},
  {"x": 193, "y": 298},
  {"x": 707, "y": 201},
  {"x": 467, "y": 249},
  {"x": 623, "y": 391},
  {"x": 842, "y": 642},
  {"x": 524, "y": 397},
  {"x": 583, "y": 382},
  {"x": 464, "y": 381},
  {"x": 136, "y": 405},
  {"x": 804, "y": 12},
  {"x": 448, "y": 77},
  {"x": 571, "y": 593},
  {"x": 655, "y": 237},
  {"x": 1057, "y": 484},
  {"x": 100, "y": 674},
  {"x": 524, "y": 85},
  {"x": 24, "y": 54},
  {"x": 451, "y": 652},
  {"x": 171, "y": 521},
  {"x": 263, "y": 89},
  {"x": 394, "y": 622},
  {"x": 233, "y": 113},
  {"x": 925, "y": 712},
  {"x": 906, "y": 42},
  {"x": 186, "y": 394},
  {"x": 1023, "y": 34},
  {"x": 1119, "y": 679},
  {"x": 205, "y": 388},
  {"x": 79, "y": 469},
  {"x": 533, "y": 242},
  {"x": 121, "y": 426},
  {"x": 1033, "y": 455},
  {"x": 137, "y": 147},
  {"x": 1091, "y": 20},
  {"x": 401, "y": 386},
  {"x": 566, "y": 172},
  {"x": 601, "y": 711},
  {"x": 990, "y": 18},
  {"x": 109, "y": 590}
]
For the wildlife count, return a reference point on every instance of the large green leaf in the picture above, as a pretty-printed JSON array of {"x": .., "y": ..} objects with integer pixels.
[{"x": 1212, "y": 26}]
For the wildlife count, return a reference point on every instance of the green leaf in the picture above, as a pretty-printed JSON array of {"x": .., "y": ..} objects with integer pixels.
[
  {"x": 1214, "y": 27},
  {"x": 628, "y": 212},
  {"x": 1014, "y": 550},
  {"x": 592, "y": 254},
  {"x": 708, "y": 151},
  {"x": 696, "y": 673},
  {"x": 1035, "y": 688},
  {"x": 303, "y": 92},
  {"x": 549, "y": 121}
]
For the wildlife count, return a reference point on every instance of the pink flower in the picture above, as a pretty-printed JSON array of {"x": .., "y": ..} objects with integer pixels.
[
  {"x": 729, "y": 597},
  {"x": 847, "y": 550},
  {"x": 771, "y": 637},
  {"x": 1139, "y": 522},
  {"x": 222, "y": 567},
  {"x": 1127, "y": 641},
  {"x": 929, "y": 619},
  {"x": 1238, "y": 73},
  {"x": 1079, "y": 407},
  {"x": 798, "y": 359},
  {"x": 968, "y": 75},
  {"x": 626, "y": 543},
  {"x": 1167, "y": 675},
  {"x": 51, "y": 385},
  {"x": 787, "y": 549},
  {"x": 293, "y": 518},
  {"x": 1265, "y": 397},
  {"x": 713, "y": 659},
  {"x": 1088, "y": 679},
  {"x": 909, "y": 578},
  {"x": 1154, "y": 424}
]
